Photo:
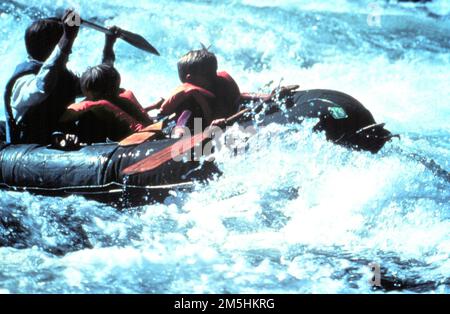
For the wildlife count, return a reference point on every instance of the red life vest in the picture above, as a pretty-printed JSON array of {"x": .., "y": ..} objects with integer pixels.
[
  {"x": 102, "y": 119},
  {"x": 227, "y": 95},
  {"x": 128, "y": 103},
  {"x": 221, "y": 103},
  {"x": 186, "y": 92}
]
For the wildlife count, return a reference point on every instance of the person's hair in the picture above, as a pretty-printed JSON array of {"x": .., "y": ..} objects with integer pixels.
[
  {"x": 41, "y": 38},
  {"x": 197, "y": 62},
  {"x": 102, "y": 81}
]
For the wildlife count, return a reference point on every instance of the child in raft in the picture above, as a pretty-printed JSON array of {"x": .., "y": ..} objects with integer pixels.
[
  {"x": 108, "y": 111},
  {"x": 205, "y": 92}
]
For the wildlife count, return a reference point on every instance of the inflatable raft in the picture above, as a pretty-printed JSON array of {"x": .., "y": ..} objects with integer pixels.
[{"x": 95, "y": 171}]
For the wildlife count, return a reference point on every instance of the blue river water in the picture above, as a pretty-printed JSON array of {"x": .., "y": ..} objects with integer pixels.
[{"x": 295, "y": 214}]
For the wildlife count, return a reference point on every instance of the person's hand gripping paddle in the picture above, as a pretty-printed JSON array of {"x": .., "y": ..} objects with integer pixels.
[{"x": 133, "y": 39}]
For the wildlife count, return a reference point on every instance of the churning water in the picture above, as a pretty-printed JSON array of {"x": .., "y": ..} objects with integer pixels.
[{"x": 295, "y": 214}]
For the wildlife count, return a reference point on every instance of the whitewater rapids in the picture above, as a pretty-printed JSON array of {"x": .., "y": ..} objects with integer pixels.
[{"x": 295, "y": 214}]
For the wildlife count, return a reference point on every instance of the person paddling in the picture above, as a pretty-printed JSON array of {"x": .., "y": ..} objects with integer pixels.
[{"x": 41, "y": 88}]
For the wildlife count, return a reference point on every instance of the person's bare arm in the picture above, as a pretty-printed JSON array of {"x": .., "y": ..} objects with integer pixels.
[
  {"x": 277, "y": 93},
  {"x": 155, "y": 106},
  {"x": 31, "y": 90},
  {"x": 109, "y": 57}
]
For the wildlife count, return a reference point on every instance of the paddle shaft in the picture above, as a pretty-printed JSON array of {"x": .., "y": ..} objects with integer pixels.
[
  {"x": 87, "y": 24},
  {"x": 96, "y": 27},
  {"x": 131, "y": 38},
  {"x": 236, "y": 116}
]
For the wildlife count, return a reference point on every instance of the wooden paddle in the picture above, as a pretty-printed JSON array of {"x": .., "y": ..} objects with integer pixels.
[
  {"x": 133, "y": 39},
  {"x": 142, "y": 136},
  {"x": 176, "y": 149},
  {"x": 146, "y": 133}
]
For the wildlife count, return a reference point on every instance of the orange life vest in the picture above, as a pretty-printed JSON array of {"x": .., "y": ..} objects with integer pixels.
[
  {"x": 101, "y": 119},
  {"x": 221, "y": 103},
  {"x": 227, "y": 96}
]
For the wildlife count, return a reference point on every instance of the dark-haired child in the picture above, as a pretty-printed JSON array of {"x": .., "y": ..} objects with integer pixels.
[{"x": 108, "y": 112}]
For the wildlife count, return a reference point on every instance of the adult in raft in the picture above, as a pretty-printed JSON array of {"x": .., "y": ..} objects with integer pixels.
[{"x": 41, "y": 88}]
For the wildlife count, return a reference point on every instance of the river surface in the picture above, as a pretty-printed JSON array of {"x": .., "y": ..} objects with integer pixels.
[{"x": 295, "y": 214}]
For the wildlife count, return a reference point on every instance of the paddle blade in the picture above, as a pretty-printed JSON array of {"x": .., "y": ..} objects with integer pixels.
[
  {"x": 154, "y": 161},
  {"x": 133, "y": 39},
  {"x": 137, "y": 138},
  {"x": 138, "y": 41},
  {"x": 155, "y": 127},
  {"x": 146, "y": 133}
]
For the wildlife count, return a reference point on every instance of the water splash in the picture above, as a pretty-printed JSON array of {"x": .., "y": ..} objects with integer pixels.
[{"x": 293, "y": 214}]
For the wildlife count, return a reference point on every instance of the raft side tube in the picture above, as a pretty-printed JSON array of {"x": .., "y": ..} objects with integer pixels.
[
  {"x": 98, "y": 168},
  {"x": 35, "y": 166}
]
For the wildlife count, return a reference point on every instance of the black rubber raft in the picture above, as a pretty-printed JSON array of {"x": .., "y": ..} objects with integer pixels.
[{"x": 95, "y": 171}]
